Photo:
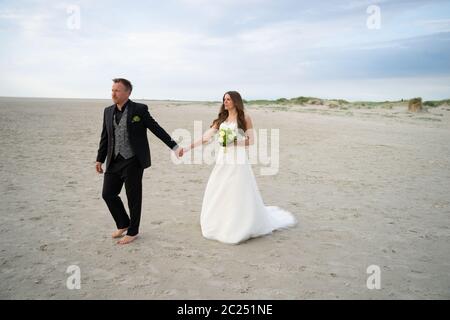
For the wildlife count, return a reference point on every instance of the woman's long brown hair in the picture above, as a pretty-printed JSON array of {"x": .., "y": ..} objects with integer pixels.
[{"x": 238, "y": 104}]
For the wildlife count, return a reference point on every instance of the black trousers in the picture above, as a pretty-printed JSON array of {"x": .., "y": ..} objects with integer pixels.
[{"x": 129, "y": 172}]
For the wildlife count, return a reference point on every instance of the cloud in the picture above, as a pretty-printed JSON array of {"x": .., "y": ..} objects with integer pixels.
[
  {"x": 435, "y": 25},
  {"x": 195, "y": 49}
]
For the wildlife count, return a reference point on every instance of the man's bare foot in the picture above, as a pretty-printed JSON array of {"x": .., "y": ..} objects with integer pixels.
[
  {"x": 119, "y": 233},
  {"x": 127, "y": 239}
]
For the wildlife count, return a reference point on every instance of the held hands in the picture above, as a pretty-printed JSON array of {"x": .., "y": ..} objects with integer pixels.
[
  {"x": 182, "y": 151},
  {"x": 179, "y": 152}
]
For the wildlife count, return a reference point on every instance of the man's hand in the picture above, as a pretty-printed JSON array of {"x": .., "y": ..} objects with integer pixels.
[
  {"x": 98, "y": 167},
  {"x": 179, "y": 152}
]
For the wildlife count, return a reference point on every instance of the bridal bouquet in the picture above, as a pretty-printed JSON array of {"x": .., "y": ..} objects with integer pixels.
[{"x": 226, "y": 136}]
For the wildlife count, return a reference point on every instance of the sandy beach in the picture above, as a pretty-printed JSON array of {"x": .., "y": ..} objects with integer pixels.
[{"x": 368, "y": 186}]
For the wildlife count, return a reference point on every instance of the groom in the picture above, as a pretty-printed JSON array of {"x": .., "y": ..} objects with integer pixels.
[{"x": 124, "y": 145}]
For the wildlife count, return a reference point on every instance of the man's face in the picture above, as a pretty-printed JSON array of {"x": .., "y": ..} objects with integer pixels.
[{"x": 119, "y": 93}]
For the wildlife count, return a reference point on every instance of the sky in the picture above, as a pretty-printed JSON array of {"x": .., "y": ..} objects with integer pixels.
[{"x": 199, "y": 49}]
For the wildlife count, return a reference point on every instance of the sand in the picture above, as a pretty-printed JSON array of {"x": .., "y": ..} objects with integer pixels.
[{"x": 368, "y": 187}]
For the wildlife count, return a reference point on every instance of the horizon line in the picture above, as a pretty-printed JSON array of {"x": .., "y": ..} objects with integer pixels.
[{"x": 249, "y": 100}]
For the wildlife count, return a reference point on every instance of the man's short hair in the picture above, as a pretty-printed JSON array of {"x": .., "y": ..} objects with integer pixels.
[{"x": 125, "y": 82}]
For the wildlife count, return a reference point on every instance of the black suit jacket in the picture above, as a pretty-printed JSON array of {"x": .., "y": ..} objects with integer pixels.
[{"x": 137, "y": 132}]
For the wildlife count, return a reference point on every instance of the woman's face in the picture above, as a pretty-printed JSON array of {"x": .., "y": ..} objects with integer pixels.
[{"x": 227, "y": 102}]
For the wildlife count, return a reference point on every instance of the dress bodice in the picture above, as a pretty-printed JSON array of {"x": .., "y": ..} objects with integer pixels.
[{"x": 226, "y": 124}]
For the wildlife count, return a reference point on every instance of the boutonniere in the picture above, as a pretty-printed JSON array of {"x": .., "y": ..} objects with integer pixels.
[{"x": 136, "y": 119}]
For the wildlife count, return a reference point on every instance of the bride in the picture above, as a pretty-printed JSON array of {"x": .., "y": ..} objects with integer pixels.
[{"x": 233, "y": 210}]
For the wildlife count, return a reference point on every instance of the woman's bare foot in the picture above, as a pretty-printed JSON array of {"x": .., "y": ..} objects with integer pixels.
[
  {"x": 119, "y": 233},
  {"x": 127, "y": 239}
]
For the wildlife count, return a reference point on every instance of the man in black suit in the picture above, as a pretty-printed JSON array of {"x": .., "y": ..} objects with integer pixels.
[{"x": 124, "y": 145}]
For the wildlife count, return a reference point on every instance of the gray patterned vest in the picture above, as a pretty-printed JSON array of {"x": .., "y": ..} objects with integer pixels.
[{"x": 121, "y": 140}]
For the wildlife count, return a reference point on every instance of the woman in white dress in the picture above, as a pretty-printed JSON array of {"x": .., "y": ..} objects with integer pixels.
[{"x": 233, "y": 210}]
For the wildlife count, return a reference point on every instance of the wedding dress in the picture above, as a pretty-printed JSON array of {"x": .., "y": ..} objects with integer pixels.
[{"x": 232, "y": 209}]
